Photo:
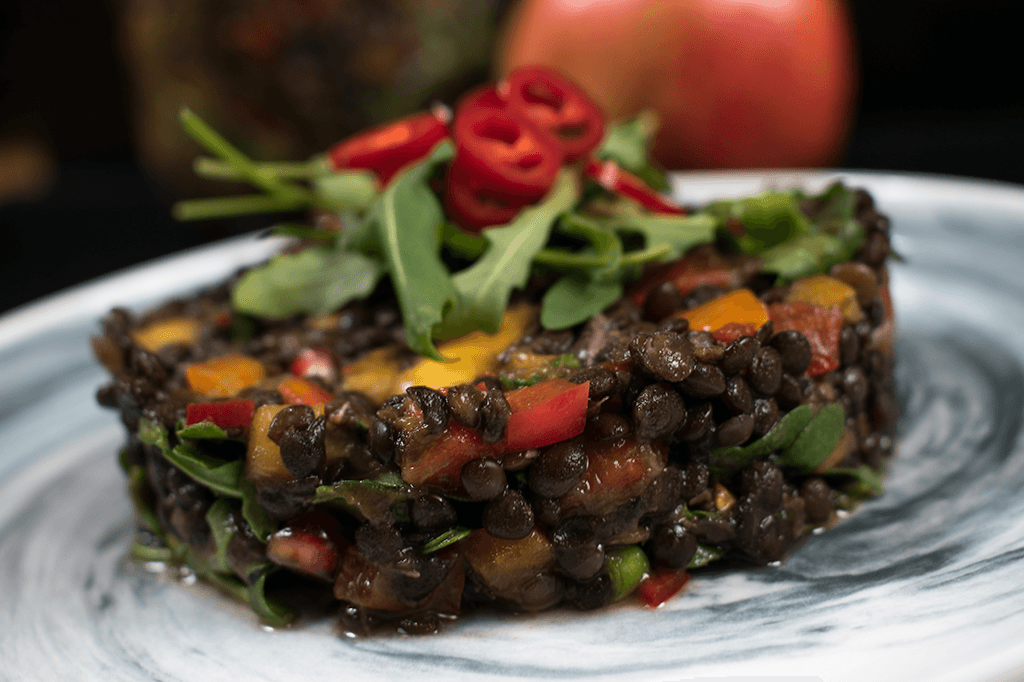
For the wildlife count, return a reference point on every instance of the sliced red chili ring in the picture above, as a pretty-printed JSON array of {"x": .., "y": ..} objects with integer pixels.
[
  {"x": 388, "y": 148},
  {"x": 617, "y": 180},
  {"x": 504, "y": 156},
  {"x": 558, "y": 106},
  {"x": 471, "y": 208}
]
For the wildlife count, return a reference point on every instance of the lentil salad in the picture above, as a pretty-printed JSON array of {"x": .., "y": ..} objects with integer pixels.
[{"x": 717, "y": 400}]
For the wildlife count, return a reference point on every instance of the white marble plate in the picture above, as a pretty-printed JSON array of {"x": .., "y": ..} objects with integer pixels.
[{"x": 925, "y": 583}]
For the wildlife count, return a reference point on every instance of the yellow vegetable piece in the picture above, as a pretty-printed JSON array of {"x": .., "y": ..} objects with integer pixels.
[
  {"x": 153, "y": 337},
  {"x": 724, "y": 500},
  {"x": 740, "y": 306},
  {"x": 374, "y": 374},
  {"x": 225, "y": 376},
  {"x": 826, "y": 292},
  {"x": 475, "y": 354},
  {"x": 263, "y": 456}
]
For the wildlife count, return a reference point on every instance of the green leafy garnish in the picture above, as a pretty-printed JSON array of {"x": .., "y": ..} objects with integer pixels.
[
  {"x": 449, "y": 537},
  {"x": 782, "y": 435},
  {"x": 484, "y": 288},
  {"x": 370, "y": 500},
  {"x": 705, "y": 555},
  {"x": 627, "y": 145},
  {"x": 570, "y": 301},
  {"x": 407, "y": 220},
  {"x": 202, "y": 430},
  {"x": 222, "y": 528},
  {"x": 817, "y": 440},
  {"x": 866, "y": 481},
  {"x": 317, "y": 280}
]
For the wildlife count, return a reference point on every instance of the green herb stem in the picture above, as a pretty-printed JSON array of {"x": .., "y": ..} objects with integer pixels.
[
  {"x": 215, "y": 169},
  {"x": 560, "y": 259},
  {"x": 243, "y": 165},
  {"x": 245, "y": 204}
]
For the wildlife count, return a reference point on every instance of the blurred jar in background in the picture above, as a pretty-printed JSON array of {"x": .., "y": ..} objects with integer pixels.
[{"x": 285, "y": 79}]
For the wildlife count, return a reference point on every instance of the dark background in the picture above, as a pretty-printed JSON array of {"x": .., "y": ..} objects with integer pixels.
[{"x": 940, "y": 93}]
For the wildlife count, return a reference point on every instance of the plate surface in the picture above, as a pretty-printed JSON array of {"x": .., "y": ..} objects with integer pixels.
[{"x": 921, "y": 584}]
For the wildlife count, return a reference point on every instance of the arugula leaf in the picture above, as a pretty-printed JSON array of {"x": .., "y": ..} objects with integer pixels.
[
  {"x": 449, "y": 537},
  {"x": 802, "y": 256},
  {"x": 152, "y": 433},
  {"x": 769, "y": 218},
  {"x": 782, "y": 435},
  {"x": 627, "y": 145},
  {"x": 222, "y": 528},
  {"x": 346, "y": 190},
  {"x": 867, "y": 481},
  {"x": 253, "y": 513},
  {"x": 201, "y": 430},
  {"x": 606, "y": 244},
  {"x": 144, "y": 552},
  {"x": 462, "y": 243},
  {"x": 137, "y": 490},
  {"x": 220, "y": 476},
  {"x": 570, "y": 301},
  {"x": 817, "y": 440},
  {"x": 370, "y": 500},
  {"x": 316, "y": 280},
  {"x": 270, "y": 611},
  {"x": 678, "y": 233},
  {"x": 484, "y": 288},
  {"x": 407, "y": 220}
]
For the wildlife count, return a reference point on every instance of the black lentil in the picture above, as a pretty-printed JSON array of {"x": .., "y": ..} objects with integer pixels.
[
  {"x": 737, "y": 396},
  {"x": 663, "y": 300},
  {"x": 509, "y": 516},
  {"x": 664, "y": 354},
  {"x": 674, "y": 545},
  {"x": 464, "y": 402},
  {"x": 483, "y": 479},
  {"x": 494, "y": 414},
  {"x": 794, "y": 351},
  {"x": 658, "y": 412},
  {"x": 765, "y": 374},
  {"x": 603, "y": 382},
  {"x": 704, "y": 381},
  {"x": 738, "y": 354},
  {"x": 434, "y": 407}
]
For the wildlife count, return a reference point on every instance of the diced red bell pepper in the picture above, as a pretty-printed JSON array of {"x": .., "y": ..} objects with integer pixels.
[
  {"x": 315, "y": 361},
  {"x": 472, "y": 209},
  {"x": 546, "y": 413},
  {"x": 441, "y": 462},
  {"x": 821, "y": 326},
  {"x": 503, "y": 155},
  {"x": 225, "y": 414},
  {"x": 617, "y": 470},
  {"x": 617, "y": 180},
  {"x": 311, "y": 543},
  {"x": 733, "y": 331},
  {"x": 387, "y": 148},
  {"x": 686, "y": 274},
  {"x": 661, "y": 586},
  {"x": 299, "y": 391},
  {"x": 557, "y": 106}
]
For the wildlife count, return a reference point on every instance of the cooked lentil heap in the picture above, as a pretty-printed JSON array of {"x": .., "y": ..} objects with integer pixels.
[{"x": 710, "y": 413}]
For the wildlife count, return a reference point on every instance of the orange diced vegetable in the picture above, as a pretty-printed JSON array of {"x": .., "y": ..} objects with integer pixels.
[
  {"x": 509, "y": 567},
  {"x": 826, "y": 292},
  {"x": 225, "y": 376},
  {"x": 263, "y": 456},
  {"x": 740, "y": 306},
  {"x": 299, "y": 391},
  {"x": 174, "y": 330}
]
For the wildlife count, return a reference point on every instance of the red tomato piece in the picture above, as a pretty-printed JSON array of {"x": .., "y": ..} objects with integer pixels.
[
  {"x": 616, "y": 471},
  {"x": 733, "y": 331},
  {"x": 661, "y": 586},
  {"x": 311, "y": 543},
  {"x": 299, "y": 391},
  {"x": 388, "y": 148},
  {"x": 821, "y": 326},
  {"x": 557, "y": 106},
  {"x": 441, "y": 462},
  {"x": 225, "y": 414},
  {"x": 620, "y": 181},
  {"x": 546, "y": 413}
]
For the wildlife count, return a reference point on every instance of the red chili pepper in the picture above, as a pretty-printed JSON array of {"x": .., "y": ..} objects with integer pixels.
[
  {"x": 821, "y": 326},
  {"x": 225, "y": 414},
  {"x": 617, "y": 180},
  {"x": 661, "y": 586},
  {"x": 315, "y": 361},
  {"x": 558, "y": 106},
  {"x": 387, "y": 148},
  {"x": 501, "y": 154},
  {"x": 545, "y": 413},
  {"x": 472, "y": 209}
]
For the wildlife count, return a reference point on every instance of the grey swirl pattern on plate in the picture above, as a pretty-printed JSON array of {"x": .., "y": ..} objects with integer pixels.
[{"x": 922, "y": 583}]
